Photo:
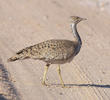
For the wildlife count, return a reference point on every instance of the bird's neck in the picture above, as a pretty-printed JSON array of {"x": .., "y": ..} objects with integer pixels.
[{"x": 75, "y": 33}]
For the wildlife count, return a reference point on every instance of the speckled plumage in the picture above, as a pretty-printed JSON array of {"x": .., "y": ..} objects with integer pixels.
[
  {"x": 55, "y": 51},
  {"x": 50, "y": 51}
]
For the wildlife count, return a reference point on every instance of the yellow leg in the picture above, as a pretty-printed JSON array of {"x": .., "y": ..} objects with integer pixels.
[
  {"x": 45, "y": 73},
  {"x": 59, "y": 72}
]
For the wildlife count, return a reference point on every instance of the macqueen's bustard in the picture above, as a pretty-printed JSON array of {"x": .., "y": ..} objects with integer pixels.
[{"x": 55, "y": 51}]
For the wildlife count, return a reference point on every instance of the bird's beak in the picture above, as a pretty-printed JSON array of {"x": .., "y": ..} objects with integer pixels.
[{"x": 84, "y": 19}]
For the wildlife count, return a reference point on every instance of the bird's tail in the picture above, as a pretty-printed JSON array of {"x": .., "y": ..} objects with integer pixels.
[
  {"x": 22, "y": 54},
  {"x": 14, "y": 58},
  {"x": 19, "y": 55}
]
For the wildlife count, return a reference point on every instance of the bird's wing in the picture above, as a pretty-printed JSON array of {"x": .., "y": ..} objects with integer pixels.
[
  {"x": 50, "y": 49},
  {"x": 57, "y": 49}
]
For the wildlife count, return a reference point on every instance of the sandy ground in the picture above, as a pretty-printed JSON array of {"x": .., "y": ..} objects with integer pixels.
[{"x": 27, "y": 22}]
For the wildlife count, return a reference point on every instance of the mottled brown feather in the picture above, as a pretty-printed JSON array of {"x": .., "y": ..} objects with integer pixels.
[{"x": 50, "y": 51}]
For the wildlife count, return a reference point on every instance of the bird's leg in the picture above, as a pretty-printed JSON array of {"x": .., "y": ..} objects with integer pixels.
[
  {"x": 45, "y": 73},
  {"x": 59, "y": 73}
]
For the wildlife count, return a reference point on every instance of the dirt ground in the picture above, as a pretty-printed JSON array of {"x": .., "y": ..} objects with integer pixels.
[{"x": 28, "y": 22}]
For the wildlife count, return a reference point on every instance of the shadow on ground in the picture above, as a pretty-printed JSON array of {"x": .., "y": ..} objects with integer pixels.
[
  {"x": 85, "y": 85},
  {"x": 2, "y": 97},
  {"x": 7, "y": 85},
  {"x": 89, "y": 85}
]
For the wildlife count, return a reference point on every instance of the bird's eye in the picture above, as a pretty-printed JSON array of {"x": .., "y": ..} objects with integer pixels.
[{"x": 77, "y": 17}]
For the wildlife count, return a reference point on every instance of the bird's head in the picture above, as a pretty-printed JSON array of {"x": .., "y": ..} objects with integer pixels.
[{"x": 76, "y": 19}]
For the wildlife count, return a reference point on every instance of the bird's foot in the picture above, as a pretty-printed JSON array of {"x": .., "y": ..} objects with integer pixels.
[
  {"x": 63, "y": 86},
  {"x": 43, "y": 83}
]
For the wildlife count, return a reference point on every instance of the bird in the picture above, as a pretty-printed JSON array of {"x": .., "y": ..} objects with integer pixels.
[{"x": 53, "y": 51}]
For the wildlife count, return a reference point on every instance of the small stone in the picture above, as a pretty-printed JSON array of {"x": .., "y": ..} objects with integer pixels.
[{"x": 61, "y": 93}]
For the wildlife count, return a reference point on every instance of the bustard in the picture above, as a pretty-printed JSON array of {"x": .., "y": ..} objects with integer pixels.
[{"x": 55, "y": 51}]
